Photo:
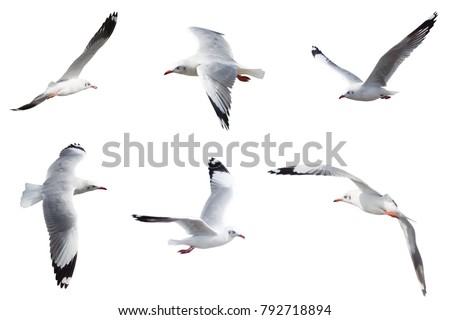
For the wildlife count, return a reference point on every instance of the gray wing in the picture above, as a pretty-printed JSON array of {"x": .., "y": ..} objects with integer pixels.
[
  {"x": 192, "y": 226},
  {"x": 38, "y": 100},
  {"x": 69, "y": 157},
  {"x": 392, "y": 59},
  {"x": 97, "y": 41},
  {"x": 350, "y": 77},
  {"x": 324, "y": 170},
  {"x": 221, "y": 193},
  {"x": 211, "y": 42},
  {"x": 60, "y": 218},
  {"x": 218, "y": 79},
  {"x": 410, "y": 236}
]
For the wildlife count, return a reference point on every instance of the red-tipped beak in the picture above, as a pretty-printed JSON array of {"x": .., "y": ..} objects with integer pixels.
[
  {"x": 241, "y": 235},
  {"x": 167, "y": 72},
  {"x": 337, "y": 200},
  {"x": 94, "y": 87},
  {"x": 342, "y": 96},
  {"x": 102, "y": 188}
]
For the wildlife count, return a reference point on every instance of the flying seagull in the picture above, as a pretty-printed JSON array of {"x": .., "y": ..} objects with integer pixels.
[
  {"x": 215, "y": 65},
  {"x": 368, "y": 200},
  {"x": 208, "y": 231},
  {"x": 59, "y": 212},
  {"x": 69, "y": 83},
  {"x": 374, "y": 87}
]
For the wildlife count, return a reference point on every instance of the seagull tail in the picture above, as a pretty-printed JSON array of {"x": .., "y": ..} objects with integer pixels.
[
  {"x": 31, "y": 195},
  {"x": 257, "y": 73},
  {"x": 173, "y": 242}
]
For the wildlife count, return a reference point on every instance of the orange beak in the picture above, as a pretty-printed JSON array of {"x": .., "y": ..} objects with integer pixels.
[{"x": 337, "y": 200}]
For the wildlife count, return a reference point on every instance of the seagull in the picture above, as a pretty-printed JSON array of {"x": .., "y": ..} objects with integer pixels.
[
  {"x": 374, "y": 87},
  {"x": 69, "y": 83},
  {"x": 368, "y": 200},
  {"x": 59, "y": 212},
  {"x": 215, "y": 65},
  {"x": 208, "y": 231}
]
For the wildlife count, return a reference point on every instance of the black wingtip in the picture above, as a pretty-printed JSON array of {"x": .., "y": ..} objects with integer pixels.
[
  {"x": 222, "y": 116},
  {"x": 153, "y": 218},
  {"x": 315, "y": 51},
  {"x": 426, "y": 26},
  {"x": 286, "y": 170},
  {"x": 64, "y": 275},
  {"x": 215, "y": 165},
  {"x": 24, "y": 107},
  {"x": 74, "y": 146}
]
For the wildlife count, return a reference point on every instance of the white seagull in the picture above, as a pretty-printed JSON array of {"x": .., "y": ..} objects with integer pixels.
[
  {"x": 371, "y": 201},
  {"x": 373, "y": 87},
  {"x": 69, "y": 83},
  {"x": 59, "y": 212},
  {"x": 208, "y": 231},
  {"x": 215, "y": 65}
]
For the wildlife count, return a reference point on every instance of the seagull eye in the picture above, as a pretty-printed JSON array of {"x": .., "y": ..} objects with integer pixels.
[{"x": 178, "y": 68}]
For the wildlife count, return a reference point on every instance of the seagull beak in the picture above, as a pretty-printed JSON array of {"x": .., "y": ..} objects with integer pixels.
[
  {"x": 168, "y": 71},
  {"x": 102, "y": 188},
  {"x": 342, "y": 96},
  {"x": 94, "y": 87},
  {"x": 337, "y": 200},
  {"x": 241, "y": 235}
]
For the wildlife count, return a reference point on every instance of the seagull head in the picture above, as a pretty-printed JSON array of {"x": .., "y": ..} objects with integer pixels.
[
  {"x": 351, "y": 197},
  {"x": 86, "y": 85},
  {"x": 349, "y": 94},
  {"x": 184, "y": 67},
  {"x": 233, "y": 234},
  {"x": 88, "y": 186}
]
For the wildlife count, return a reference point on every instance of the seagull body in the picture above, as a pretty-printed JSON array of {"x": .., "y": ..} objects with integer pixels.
[
  {"x": 373, "y": 87},
  {"x": 59, "y": 212},
  {"x": 217, "y": 69},
  {"x": 207, "y": 231},
  {"x": 69, "y": 83},
  {"x": 370, "y": 201}
]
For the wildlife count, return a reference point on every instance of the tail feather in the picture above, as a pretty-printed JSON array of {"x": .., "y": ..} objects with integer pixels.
[
  {"x": 257, "y": 73},
  {"x": 31, "y": 195},
  {"x": 173, "y": 242}
]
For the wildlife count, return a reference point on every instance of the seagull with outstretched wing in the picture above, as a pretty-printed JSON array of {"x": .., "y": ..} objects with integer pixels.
[
  {"x": 370, "y": 201},
  {"x": 208, "y": 231},
  {"x": 374, "y": 87},
  {"x": 69, "y": 83}
]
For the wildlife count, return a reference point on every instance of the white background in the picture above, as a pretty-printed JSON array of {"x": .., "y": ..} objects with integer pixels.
[{"x": 301, "y": 248}]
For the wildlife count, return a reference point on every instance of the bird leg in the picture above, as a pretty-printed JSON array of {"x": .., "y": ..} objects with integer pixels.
[
  {"x": 385, "y": 97},
  {"x": 243, "y": 78},
  {"x": 391, "y": 214},
  {"x": 52, "y": 95},
  {"x": 183, "y": 251}
]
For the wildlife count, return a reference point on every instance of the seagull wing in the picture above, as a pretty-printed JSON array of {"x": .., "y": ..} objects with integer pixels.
[
  {"x": 192, "y": 226},
  {"x": 97, "y": 41},
  {"x": 211, "y": 42},
  {"x": 410, "y": 236},
  {"x": 38, "y": 100},
  {"x": 217, "y": 79},
  {"x": 60, "y": 218},
  {"x": 65, "y": 165},
  {"x": 392, "y": 59},
  {"x": 221, "y": 193},
  {"x": 350, "y": 77},
  {"x": 324, "y": 170}
]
